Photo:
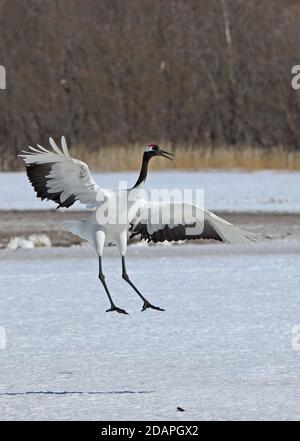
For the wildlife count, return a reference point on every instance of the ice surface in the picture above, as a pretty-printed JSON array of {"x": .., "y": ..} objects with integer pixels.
[
  {"x": 232, "y": 191},
  {"x": 221, "y": 350}
]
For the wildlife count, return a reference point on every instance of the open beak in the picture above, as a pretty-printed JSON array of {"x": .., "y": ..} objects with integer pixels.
[{"x": 166, "y": 154}]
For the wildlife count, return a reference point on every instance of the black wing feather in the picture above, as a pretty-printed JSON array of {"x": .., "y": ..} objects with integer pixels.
[
  {"x": 174, "y": 233},
  {"x": 37, "y": 175}
]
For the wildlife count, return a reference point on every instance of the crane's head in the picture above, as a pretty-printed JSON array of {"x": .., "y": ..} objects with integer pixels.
[{"x": 154, "y": 150}]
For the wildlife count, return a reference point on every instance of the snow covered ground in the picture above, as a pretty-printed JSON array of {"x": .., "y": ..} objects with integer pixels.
[
  {"x": 231, "y": 191},
  {"x": 223, "y": 349}
]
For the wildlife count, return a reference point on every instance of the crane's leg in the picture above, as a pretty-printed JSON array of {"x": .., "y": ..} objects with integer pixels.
[
  {"x": 125, "y": 276},
  {"x": 99, "y": 245},
  {"x": 113, "y": 307}
]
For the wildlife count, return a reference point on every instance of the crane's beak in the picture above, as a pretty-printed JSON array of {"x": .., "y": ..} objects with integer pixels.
[{"x": 166, "y": 154}]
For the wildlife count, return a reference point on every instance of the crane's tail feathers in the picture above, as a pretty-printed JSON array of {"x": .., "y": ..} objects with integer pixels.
[
  {"x": 76, "y": 228},
  {"x": 230, "y": 233}
]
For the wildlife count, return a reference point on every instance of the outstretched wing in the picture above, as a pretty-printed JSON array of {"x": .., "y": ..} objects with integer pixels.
[
  {"x": 148, "y": 225},
  {"x": 56, "y": 176}
]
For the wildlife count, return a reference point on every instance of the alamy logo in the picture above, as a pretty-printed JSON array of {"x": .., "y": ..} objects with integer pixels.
[
  {"x": 156, "y": 208},
  {"x": 296, "y": 338},
  {"x": 295, "y": 83},
  {"x": 2, "y": 77},
  {"x": 2, "y": 337}
]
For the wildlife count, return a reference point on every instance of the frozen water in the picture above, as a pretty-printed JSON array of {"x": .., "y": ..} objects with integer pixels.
[
  {"x": 223, "y": 349},
  {"x": 230, "y": 191}
]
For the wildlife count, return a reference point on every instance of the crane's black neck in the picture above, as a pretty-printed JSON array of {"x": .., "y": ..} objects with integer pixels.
[{"x": 144, "y": 170}]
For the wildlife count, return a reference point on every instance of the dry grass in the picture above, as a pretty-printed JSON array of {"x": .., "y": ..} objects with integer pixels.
[{"x": 187, "y": 158}]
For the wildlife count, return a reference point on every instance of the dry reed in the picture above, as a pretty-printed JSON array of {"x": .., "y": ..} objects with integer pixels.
[{"x": 187, "y": 158}]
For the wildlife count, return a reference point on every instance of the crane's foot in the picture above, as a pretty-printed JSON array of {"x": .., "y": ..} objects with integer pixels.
[
  {"x": 147, "y": 305},
  {"x": 115, "y": 308}
]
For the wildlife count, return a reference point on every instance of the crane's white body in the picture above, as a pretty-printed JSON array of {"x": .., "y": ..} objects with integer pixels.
[{"x": 101, "y": 229}]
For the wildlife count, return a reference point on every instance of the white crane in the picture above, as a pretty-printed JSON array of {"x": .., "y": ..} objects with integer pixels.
[{"x": 115, "y": 215}]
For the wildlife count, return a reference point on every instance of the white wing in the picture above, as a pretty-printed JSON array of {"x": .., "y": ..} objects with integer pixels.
[
  {"x": 56, "y": 176},
  {"x": 186, "y": 222}
]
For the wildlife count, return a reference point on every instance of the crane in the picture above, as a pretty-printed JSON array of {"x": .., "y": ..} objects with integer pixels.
[{"x": 116, "y": 215}]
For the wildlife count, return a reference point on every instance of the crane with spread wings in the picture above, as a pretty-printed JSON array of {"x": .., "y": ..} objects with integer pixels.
[{"x": 116, "y": 215}]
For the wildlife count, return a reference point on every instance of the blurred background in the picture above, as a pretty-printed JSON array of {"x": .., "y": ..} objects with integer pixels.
[{"x": 209, "y": 80}]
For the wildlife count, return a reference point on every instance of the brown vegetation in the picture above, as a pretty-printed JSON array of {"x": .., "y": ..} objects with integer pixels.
[
  {"x": 207, "y": 77},
  {"x": 192, "y": 158}
]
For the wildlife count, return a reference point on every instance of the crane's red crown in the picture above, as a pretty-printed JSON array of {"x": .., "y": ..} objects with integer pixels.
[{"x": 152, "y": 147}]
